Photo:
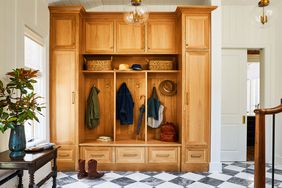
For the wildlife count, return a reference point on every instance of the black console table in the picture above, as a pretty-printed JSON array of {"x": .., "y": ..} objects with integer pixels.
[{"x": 31, "y": 162}]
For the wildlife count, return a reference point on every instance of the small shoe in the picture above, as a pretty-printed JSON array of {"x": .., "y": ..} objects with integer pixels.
[
  {"x": 81, "y": 171},
  {"x": 92, "y": 170}
]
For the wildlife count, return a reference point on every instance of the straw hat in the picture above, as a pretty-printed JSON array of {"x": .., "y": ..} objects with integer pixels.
[
  {"x": 124, "y": 67},
  {"x": 168, "y": 87}
]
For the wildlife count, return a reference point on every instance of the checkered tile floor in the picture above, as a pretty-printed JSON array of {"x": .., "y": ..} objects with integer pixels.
[{"x": 234, "y": 175}]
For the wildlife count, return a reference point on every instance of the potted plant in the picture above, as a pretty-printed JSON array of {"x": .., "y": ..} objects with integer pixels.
[{"x": 18, "y": 104}]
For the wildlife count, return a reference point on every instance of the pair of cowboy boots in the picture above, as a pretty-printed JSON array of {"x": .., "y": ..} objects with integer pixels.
[{"x": 92, "y": 170}]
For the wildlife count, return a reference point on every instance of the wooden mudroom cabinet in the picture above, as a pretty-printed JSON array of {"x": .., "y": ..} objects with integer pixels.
[{"x": 182, "y": 36}]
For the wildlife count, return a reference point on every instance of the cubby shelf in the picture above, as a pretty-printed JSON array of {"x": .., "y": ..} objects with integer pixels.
[
  {"x": 130, "y": 143},
  {"x": 131, "y": 71}
]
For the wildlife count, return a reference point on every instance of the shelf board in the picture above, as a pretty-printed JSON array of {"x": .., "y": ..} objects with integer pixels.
[
  {"x": 130, "y": 72},
  {"x": 130, "y": 143}
]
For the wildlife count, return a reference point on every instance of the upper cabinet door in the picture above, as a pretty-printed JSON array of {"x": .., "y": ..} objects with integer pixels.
[
  {"x": 161, "y": 36},
  {"x": 130, "y": 38},
  {"x": 99, "y": 37},
  {"x": 197, "y": 32},
  {"x": 63, "y": 32}
]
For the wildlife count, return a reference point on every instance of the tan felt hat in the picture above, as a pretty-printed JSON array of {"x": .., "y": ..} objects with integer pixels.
[{"x": 124, "y": 67}]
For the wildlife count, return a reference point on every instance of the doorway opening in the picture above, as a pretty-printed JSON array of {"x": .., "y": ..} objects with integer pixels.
[{"x": 253, "y": 97}]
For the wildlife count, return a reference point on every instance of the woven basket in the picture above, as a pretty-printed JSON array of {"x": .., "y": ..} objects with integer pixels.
[
  {"x": 99, "y": 65},
  {"x": 160, "y": 64}
]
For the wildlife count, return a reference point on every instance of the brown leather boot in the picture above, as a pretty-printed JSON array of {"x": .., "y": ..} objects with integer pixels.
[
  {"x": 81, "y": 171},
  {"x": 92, "y": 170}
]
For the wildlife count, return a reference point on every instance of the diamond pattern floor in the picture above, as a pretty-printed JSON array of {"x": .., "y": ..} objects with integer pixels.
[{"x": 234, "y": 175}]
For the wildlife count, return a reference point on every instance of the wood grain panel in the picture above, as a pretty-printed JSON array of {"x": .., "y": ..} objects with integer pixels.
[
  {"x": 99, "y": 37},
  {"x": 130, "y": 154},
  {"x": 63, "y": 92},
  {"x": 63, "y": 31},
  {"x": 197, "y": 31},
  {"x": 105, "y": 83},
  {"x": 161, "y": 36},
  {"x": 130, "y": 38},
  {"x": 136, "y": 86},
  {"x": 101, "y": 154},
  {"x": 198, "y": 98},
  {"x": 162, "y": 154}
]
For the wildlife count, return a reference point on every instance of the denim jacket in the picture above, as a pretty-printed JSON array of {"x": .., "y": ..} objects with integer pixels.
[{"x": 125, "y": 105}]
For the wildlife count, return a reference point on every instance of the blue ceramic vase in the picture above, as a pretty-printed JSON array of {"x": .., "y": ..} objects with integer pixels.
[{"x": 17, "y": 142}]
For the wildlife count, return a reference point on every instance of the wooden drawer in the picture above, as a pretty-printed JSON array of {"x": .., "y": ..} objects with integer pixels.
[
  {"x": 66, "y": 153},
  {"x": 196, "y": 155},
  {"x": 163, "y": 155},
  {"x": 130, "y": 154},
  {"x": 101, "y": 154}
]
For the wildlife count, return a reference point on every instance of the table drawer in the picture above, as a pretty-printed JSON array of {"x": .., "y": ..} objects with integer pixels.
[
  {"x": 163, "y": 155},
  {"x": 130, "y": 154},
  {"x": 66, "y": 153},
  {"x": 101, "y": 154},
  {"x": 196, "y": 155}
]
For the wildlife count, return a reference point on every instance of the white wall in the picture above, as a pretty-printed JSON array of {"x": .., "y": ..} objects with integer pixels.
[
  {"x": 239, "y": 32},
  {"x": 14, "y": 15}
]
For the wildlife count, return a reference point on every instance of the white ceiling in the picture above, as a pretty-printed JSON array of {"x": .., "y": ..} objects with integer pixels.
[{"x": 90, "y": 4}]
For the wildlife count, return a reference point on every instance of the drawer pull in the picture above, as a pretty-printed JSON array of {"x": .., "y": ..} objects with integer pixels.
[
  {"x": 162, "y": 155},
  {"x": 64, "y": 155},
  {"x": 196, "y": 156},
  {"x": 97, "y": 155},
  {"x": 130, "y": 155}
]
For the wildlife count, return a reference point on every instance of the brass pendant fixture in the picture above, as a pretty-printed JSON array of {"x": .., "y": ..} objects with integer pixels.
[
  {"x": 263, "y": 13},
  {"x": 263, "y": 17},
  {"x": 135, "y": 13}
]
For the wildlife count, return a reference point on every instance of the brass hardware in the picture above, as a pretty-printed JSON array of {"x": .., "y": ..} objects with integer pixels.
[
  {"x": 244, "y": 119},
  {"x": 187, "y": 45},
  {"x": 130, "y": 155},
  {"x": 187, "y": 98},
  {"x": 263, "y": 3},
  {"x": 73, "y": 97},
  {"x": 196, "y": 156},
  {"x": 162, "y": 155},
  {"x": 112, "y": 47},
  {"x": 136, "y": 2},
  {"x": 97, "y": 155},
  {"x": 64, "y": 155}
]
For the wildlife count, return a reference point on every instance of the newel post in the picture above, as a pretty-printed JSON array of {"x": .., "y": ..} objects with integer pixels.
[{"x": 260, "y": 150}]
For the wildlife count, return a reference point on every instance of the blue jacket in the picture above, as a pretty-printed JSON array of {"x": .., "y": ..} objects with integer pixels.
[{"x": 125, "y": 105}]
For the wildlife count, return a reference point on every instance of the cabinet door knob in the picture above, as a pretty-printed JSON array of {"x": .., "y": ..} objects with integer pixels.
[
  {"x": 73, "y": 97},
  {"x": 187, "y": 45}
]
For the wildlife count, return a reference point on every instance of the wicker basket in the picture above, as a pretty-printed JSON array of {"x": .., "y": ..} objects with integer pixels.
[
  {"x": 99, "y": 64},
  {"x": 160, "y": 64}
]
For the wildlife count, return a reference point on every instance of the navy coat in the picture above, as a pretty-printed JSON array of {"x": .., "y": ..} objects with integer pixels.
[{"x": 124, "y": 105}]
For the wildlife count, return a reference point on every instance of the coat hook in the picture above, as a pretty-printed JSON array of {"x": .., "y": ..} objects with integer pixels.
[
  {"x": 138, "y": 85},
  {"x": 108, "y": 85}
]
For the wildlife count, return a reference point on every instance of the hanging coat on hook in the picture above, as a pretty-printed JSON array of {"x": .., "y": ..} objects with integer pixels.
[
  {"x": 155, "y": 110},
  {"x": 92, "y": 116},
  {"x": 125, "y": 105}
]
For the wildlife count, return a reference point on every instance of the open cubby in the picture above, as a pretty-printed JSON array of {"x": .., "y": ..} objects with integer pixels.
[{"x": 140, "y": 85}]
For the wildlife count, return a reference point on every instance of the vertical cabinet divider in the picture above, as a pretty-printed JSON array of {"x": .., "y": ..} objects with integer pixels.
[
  {"x": 115, "y": 98},
  {"x": 146, "y": 107}
]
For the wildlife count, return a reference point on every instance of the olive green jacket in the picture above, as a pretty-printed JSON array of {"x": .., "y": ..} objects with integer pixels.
[{"x": 92, "y": 112}]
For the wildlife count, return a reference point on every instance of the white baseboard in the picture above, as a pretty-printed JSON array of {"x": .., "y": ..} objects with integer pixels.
[{"x": 215, "y": 167}]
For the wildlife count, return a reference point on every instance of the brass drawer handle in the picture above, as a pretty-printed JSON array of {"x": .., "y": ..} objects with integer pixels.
[
  {"x": 130, "y": 155},
  {"x": 162, "y": 155},
  {"x": 64, "y": 155},
  {"x": 187, "y": 45},
  {"x": 196, "y": 156},
  {"x": 97, "y": 155}
]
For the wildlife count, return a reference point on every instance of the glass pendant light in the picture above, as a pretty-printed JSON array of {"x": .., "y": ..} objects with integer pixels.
[
  {"x": 136, "y": 13},
  {"x": 263, "y": 14}
]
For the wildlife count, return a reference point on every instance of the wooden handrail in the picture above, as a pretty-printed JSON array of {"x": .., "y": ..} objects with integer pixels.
[
  {"x": 267, "y": 111},
  {"x": 259, "y": 179}
]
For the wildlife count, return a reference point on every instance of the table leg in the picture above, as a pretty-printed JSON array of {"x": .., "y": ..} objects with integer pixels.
[
  {"x": 31, "y": 180},
  {"x": 20, "y": 175},
  {"x": 54, "y": 172}
]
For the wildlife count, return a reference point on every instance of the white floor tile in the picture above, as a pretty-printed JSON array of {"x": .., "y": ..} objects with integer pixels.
[
  {"x": 192, "y": 176},
  {"x": 276, "y": 176},
  {"x": 230, "y": 185},
  {"x": 235, "y": 168},
  {"x": 111, "y": 176},
  {"x": 245, "y": 176},
  {"x": 165, "y": 176},
  {"x": 106, "y": 185},
  {"x": 138, "y": 176},
  {"x": 219, "y": 176},
  {"x": 76, "y": 185},
  {"x": 199, "y": 185},
  {"x": 138, "y": 185},
  {"x": 168, "y": 185},
  {"x": 61, "y": 175}
]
